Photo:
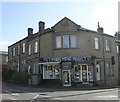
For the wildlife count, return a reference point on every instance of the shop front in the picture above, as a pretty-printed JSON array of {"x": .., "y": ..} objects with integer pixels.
[{"x": 68, "y": 71}]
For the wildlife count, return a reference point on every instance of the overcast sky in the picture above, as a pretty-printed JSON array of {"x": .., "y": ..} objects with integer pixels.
[{"x": 18, "y": 16}]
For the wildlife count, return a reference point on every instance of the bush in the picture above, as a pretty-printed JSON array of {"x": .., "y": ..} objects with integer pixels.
[
  {"x": 7, "y": 75},
  {"x": 15, "y": 77},
  {"x": 24, "y": 78}
]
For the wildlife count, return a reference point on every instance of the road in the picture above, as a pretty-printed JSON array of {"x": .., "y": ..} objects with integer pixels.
[{"x": 15, "y": 92}]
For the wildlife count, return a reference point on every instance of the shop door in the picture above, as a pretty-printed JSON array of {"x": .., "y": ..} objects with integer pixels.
[
  {"x": 84, "y": 73},
  {"x": 66, "y": 78}
]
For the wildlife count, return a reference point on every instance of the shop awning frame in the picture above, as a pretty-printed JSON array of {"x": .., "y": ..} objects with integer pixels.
[{"x": 50, "y": 63}]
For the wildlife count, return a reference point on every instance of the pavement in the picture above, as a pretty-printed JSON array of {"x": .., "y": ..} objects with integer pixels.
[{"x": 18, "y": 88}]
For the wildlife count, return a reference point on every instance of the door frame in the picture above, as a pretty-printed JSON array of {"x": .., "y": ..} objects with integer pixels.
[{"x": 69, "y": 71}]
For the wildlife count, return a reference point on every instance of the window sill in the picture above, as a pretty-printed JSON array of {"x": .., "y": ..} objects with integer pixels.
[
  {"x": 108, "y": 51},
  {"x": 64, "y": 48},
  {"x": 97, "y": 49}
]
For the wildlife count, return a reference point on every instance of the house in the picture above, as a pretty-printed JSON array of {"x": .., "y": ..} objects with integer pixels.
[
  {"x": 3, "y": 63},
  {"x": 66, "y": 54},
  {"x": 3, "y": 60}
]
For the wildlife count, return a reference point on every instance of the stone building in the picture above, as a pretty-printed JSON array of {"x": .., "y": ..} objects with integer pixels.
[
  {"x": 66, "y": 54},
  {"x": 3, "y": 60}
]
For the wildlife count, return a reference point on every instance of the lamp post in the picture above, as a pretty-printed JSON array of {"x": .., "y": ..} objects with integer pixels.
[{"x": 118, "y": 53}]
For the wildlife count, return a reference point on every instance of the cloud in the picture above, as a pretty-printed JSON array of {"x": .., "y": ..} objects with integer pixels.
[
  {"x": 4, "y": 45},
  {"x": 107, "y": 15}
]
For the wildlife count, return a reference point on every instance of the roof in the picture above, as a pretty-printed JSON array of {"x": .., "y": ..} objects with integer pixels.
[{"x": 49, "y": 30}]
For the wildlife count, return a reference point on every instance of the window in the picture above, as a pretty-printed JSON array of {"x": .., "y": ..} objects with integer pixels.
[
  {"x": 69, "y": 41},
  {"x": 29, "y": 69},
  {"x": 58, "y": 41},
  {"x": 23, "y": 65},
  {"x": 77, "y": 73},
  {"x": 36, "y": 47},
  {"x": 6, "y": 59},
  {"x": 23, "y": 49},
  {"x": 35, "y": 68},
  {"x": 13, "y": 51},
  {"x": 96, "y": 43},
  {"x": 66, "y": 41},
  {"x": 29, "y": 49},
  {"x": 51, "y": 72},
  {"x": 18, "y": 50},
  {"x": 73, "y": 40},
  {"x": 13, "y": 66},
  {"x": 118, "y": 49},
  {"x": 107, "y": 45},
  {"x": 109, "y": 68},
  {"x": 18, "y": 67}
]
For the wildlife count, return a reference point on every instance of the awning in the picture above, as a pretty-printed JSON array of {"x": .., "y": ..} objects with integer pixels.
[{"x": 50, "y": 63}]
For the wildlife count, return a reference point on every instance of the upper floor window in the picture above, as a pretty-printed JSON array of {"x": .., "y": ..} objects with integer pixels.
[
  {"x": 13, "y": 51},
  {"x": 23, "y": 47},
  {"x": 73, "y": 41},
  {"x": 69, "y": 41},
  {"x": 66, "y": 43},
  {"x": 107, "y": 44},
  {"x": 10, "y": 53},
  {"x": 97, "y": 44},
  {"x": 6, "y": 59},
  {"x": 58, "y": 42},
  {"x": 36, "y": 47},
  {"x": 118, "y": 49},
  {"x": 29, "y": 49},
  {"x": 18, "y": 50}
]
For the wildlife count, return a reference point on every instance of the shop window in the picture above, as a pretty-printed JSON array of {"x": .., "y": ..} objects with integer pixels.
[
  {"x": 51, "y": 72},
  {"x": 77, "y": 73},
  {"x": 90, "y": 73}
]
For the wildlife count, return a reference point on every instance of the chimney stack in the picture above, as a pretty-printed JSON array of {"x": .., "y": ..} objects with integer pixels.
[
  {"x": 30, "y": 31},
  {"x": 100, "y": 29},
  {"x": 41, "y": 26}
]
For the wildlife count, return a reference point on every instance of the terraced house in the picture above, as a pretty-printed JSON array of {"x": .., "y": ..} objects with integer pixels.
[{"x": 66, "y": 54}]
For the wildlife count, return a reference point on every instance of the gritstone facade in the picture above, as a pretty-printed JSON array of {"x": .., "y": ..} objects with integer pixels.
[{"x": 67, "y": 55}]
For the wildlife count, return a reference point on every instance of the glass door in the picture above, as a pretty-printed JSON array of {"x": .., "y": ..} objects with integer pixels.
[{"x": 66, "y": 77}]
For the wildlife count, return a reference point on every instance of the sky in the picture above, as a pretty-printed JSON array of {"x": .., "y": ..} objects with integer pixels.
[{"x": 18, "y": 16}]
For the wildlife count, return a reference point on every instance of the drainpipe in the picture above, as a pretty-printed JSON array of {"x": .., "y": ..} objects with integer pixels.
[
  {"x": 104, "y": 59},
  {"x": 93, "y": 64}
]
